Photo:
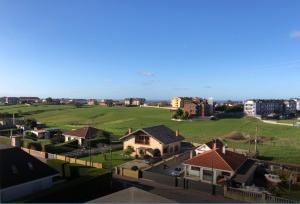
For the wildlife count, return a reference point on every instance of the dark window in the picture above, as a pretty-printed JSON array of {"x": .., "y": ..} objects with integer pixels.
[
  {"x": 176, "y": 148},
  {"x": 165, "y": 150},
  {"x": 141, "y": 139},
  {"x": 224, "y": 173},
  {"x": 195, "y": 168},
  {"x": 207, "y": 175}
]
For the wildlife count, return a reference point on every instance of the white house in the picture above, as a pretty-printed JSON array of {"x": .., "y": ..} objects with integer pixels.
[
  {"x": 82, "y": 134},
  {"x": 45, "y": 134},
  {"x": 153, "y": 140},
  {"x": 22, "y": 174},
  {"x": 213, "y": 166},
  {"x": 209, "y": 146}
]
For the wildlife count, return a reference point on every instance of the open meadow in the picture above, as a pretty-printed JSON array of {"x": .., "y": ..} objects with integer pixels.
[{"x": 281, "y": 143}]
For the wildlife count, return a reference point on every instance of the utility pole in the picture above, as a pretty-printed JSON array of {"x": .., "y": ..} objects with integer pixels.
[
  {"x": 14, "y": 122},
  {"x": 255, "y": 141}
]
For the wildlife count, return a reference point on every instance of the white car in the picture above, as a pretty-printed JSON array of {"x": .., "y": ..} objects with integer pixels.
[{"x": 177, "y": 171}]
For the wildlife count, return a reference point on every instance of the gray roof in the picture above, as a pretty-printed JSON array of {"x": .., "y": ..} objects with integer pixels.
[
  {"x": 17, "y": 166},
  {"x": 132, "y": 195},
  {"x": 161, "y": 133}
]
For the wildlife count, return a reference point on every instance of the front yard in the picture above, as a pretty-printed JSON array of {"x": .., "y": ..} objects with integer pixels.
[{"x": 107, "y": 160}]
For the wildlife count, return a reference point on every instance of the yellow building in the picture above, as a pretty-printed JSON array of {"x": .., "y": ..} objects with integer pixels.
[
  {"x": 177, "y": 102},
  {"x": 153, "y": 141}
]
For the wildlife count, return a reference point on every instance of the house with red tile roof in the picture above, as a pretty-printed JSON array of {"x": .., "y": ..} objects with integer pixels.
[
  {"x": 82, "y": 134},
  {"x": 209, "y": 145},
  {"x": 213, "y": 166}
]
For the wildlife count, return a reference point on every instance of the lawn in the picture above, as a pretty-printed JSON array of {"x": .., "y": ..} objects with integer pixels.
[
  {"x": 117, "y": 158},
  {"x": 5, "y": 140},
  {"x": 74, "y": 170},
  {"x": 283, "y": 143}
]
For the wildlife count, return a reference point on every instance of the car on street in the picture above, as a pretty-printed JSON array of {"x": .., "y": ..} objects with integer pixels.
[{"x": 178, "y": 171}]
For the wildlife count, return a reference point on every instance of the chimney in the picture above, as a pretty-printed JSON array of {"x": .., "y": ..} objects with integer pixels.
[
  {"x": 177, "y": 132},
  {"x": 215, "y": 146},
  {"x": 191, "y": 154},
  {"x": 224, "y": 149},
  {"x": 129, "y": 130}
]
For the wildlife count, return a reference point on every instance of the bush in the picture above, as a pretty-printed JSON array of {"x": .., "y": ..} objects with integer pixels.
[
  {"x": 39, "y": 145},
  {"x": 134, "y": 168}
]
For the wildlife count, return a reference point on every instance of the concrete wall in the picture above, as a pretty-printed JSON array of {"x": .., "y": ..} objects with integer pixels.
[
  {"x": 18, "y": 191},
  {"x": 71, "y": 160}
]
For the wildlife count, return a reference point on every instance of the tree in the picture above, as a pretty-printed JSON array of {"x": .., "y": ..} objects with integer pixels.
[
  {"x": 30, "y": 124},
  {"x": 185, "y": 116},
  {"x": 128, "y": 151},
  {"x": 49, "y": 100}
]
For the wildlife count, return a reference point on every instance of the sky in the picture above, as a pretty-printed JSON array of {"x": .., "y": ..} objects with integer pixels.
[{"x": 225, "y": 49}]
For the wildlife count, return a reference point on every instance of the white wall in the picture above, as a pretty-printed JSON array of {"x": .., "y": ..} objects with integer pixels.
[{"x": 18, "y": 191}]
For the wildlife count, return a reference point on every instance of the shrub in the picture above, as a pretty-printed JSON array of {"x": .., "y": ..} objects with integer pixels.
[{"x": 134, "y": 168}]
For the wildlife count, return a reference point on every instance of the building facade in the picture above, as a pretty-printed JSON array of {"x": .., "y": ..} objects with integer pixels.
[
  {"x": 9, "y": 100},
  {"x": 266, "y": 107},
  {"x": 157, "y": 140},
  {"x": 22, "y": 174},
  {"x": 213, "y": 166},
  {"x": 134, "y": 101},
  {"x": 29, "y": 99}
]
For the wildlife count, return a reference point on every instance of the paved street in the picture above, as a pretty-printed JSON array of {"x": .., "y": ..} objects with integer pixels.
[{"x": 174, "y": 193}]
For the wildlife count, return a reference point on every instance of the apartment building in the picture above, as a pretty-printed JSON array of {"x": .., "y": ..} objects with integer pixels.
[
  {"x": 29, "y": 99},
  {"x": 297, "y": 100},
  {"x": 260, "y": 107},
  {"x": 178, "y": 102},
  {"x": 134, "y": 101},
  {"x": 9, "y": 100}
]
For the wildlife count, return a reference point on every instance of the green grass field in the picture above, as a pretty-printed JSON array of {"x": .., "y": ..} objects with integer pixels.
[
  {"x": 117, "y": 158},
  {"x": 282, "y": 142}
]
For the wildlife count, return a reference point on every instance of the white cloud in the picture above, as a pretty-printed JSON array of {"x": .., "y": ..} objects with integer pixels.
[{"x": 295, "y": 34}]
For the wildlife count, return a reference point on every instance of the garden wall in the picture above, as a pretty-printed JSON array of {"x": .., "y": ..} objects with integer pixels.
[{"x": 45, "y": 155}]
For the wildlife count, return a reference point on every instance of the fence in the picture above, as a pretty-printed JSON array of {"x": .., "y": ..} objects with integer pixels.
[
  {"x": 248, "y": 196},
  {"x": 71, "y": 160}
]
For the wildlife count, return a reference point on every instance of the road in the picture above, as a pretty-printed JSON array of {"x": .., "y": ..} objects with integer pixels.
[{"x": 177, "y": 194}]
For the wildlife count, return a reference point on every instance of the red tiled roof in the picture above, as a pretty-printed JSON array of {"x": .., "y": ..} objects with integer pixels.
[
  {"x": 230, "y": 161},
  {"x": 85, "y": 132}
]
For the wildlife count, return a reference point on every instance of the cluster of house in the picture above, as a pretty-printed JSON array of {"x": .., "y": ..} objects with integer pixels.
[
  {"x": 210, "y": 163},
  {"x": 262, "y": 107},
  {"x": 110, "y": 102},
  {"x": 195, "y": 106}
]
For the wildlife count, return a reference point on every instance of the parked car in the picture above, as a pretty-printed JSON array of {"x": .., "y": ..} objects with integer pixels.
[{"x": 177, "y": 171}]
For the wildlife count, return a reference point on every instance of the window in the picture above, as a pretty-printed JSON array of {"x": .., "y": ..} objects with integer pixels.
[
  {"x": 224, "y": 173},
  {"x": 207, "y": 175},
  {"x": 165, "y": 150},
  {"x": 195, "y": 168},
  {"x": 141, "y": 139},
  {"x": 176, "y": 148},
  {"x": 171, "y": 149}
]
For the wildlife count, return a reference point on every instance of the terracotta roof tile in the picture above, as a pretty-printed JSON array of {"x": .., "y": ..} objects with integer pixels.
[{"x": 230, "y": 161}]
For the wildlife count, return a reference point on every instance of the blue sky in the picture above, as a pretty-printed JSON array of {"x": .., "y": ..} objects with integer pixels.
[{"x": 155, "y": 49}]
